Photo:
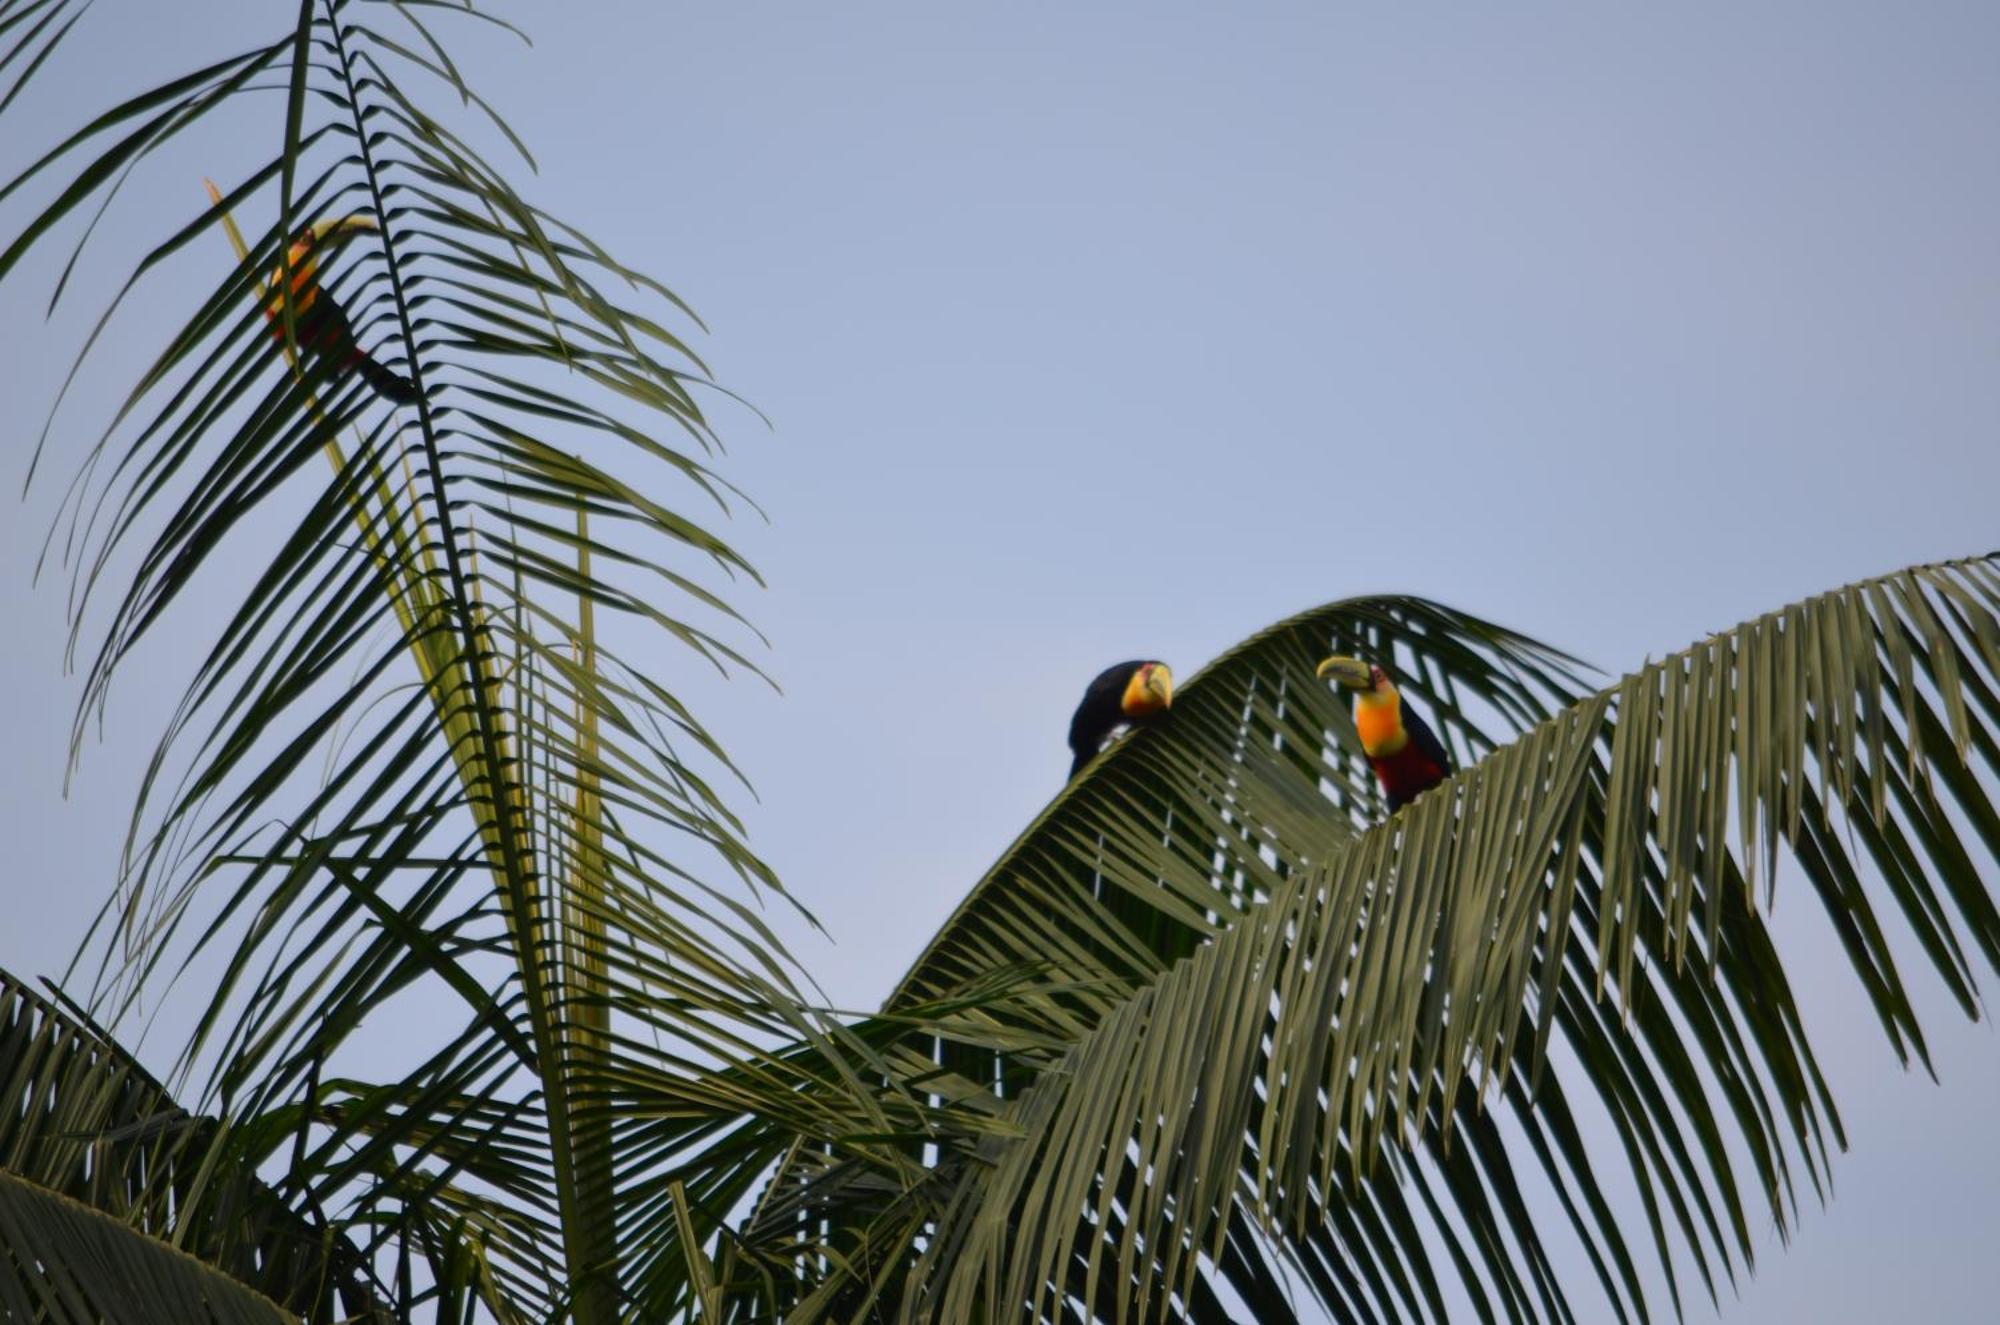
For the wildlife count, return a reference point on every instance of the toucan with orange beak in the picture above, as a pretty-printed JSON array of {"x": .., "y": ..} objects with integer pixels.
[
  {"x": 1406, "y": 755},
  {"x": 1129, "y": 694},
  {"x": 320, "y": 324}
]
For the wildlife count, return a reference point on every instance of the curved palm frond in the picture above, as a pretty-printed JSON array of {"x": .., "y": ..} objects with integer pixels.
[
  {"x": 87, "y": 1121},
  {"x": 1367, "y": 999},
  {"x": 516, "y": 814},
  {"x": 67, "y": 1264},
  {"x": 1701, "y": 1073},
  {"x": 1168, "y": 840},
  {"x": 1195, "y": 818}
]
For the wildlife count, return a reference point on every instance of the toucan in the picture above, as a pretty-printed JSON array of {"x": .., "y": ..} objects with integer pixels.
[
  {"x": 321, "y": 324},
  {"x": 1406, "y": 755},
  {"x": 1130, "y": 693}
]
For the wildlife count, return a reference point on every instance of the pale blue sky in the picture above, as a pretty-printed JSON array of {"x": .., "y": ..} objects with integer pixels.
[{"x": 1101, "y": 331}]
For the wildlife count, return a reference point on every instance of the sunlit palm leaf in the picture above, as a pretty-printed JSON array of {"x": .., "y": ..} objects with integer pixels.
[{"x": 1431, "y": 958}]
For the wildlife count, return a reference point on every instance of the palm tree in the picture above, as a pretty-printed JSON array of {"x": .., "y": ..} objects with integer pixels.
[{"x": 1213, "y": 1036}]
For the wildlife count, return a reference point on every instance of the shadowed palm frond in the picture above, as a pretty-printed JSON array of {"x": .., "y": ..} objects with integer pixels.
[
  {"x": 87, "y": 1121},
  {"x": 63, "y": 1263},
  {"x": 1166, "y": 842}
]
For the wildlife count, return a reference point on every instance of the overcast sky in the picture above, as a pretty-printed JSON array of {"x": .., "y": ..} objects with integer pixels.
[{"x": 1100, "y": 331}]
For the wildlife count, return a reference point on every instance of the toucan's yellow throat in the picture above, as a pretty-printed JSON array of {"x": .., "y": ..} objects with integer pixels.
[
  {"x": 1378, "y": 709},
  {"x": 1378, "y": 721},
  {"x": 301, "y": 265},
  {"x": 1151, "y": 690}
]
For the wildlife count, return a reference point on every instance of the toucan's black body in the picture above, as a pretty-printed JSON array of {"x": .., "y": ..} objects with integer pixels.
[
  {"x": 321, "y": 326},
  {"x": 1103, "y": 709},
  {"x": 326, "y": 332}
]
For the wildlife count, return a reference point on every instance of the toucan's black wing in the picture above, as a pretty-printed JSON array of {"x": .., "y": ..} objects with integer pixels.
[
  {"x": 1098, "y": 713},
  {"x": 329, "y": 333}
]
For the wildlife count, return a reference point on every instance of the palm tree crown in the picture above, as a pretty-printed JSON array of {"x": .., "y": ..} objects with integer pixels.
[{"x": 1227, "y": 1027}]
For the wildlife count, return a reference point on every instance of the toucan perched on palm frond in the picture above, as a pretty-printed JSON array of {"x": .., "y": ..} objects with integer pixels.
[
  {"x": 1129, "y": 693},
  {"x": 1406, "y": 755},
  {"x": 322, "y": 325}
]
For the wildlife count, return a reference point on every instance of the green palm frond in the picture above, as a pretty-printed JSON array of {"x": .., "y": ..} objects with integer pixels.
[
  {"x": 1370, "y": 998},
  {"x": 1180, "y": 827},
  {"x": 516, "y": 816},
  {"x": 1164, "y": 843},
  {"x": 66, "y": 1264},
  {"x": 87, "y": 1121}
]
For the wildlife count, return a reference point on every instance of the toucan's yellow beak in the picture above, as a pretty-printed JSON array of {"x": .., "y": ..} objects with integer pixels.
[
  {"x": 331, "y": 232},
  {"x": 1160, "y": 682},
  {"x": 1350, "y": 672}
]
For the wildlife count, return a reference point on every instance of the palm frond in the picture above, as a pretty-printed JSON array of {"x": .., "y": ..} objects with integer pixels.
[
  {"x": 66, "y": 1264},
  {"x": 1182, "y": 826},
  {"x": 520, "y": 816},
  {"x": 1164, "y": 843},
  {"x": 1433, "y": 958},
  {"x": 87, "y": 1121}
]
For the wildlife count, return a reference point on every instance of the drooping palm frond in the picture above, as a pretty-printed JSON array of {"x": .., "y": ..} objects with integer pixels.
[
  {"x": 514, "y": 815},
  {"x": 65, "y": 1264},
  {"x": 1164, "y": 843},
  {"x": 1364, "y": 998},
  {"x": 1184, "y": 825},
  {"x": 85, "y": 1120},
  {"x": 1699, "y": 1071}
]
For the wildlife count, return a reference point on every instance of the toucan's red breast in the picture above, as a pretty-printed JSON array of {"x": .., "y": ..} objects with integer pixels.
[{"x": 1408, "y": 772}]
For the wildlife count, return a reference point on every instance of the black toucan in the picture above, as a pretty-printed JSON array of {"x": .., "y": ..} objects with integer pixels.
[
  {"x": 1129, "y": 693},
  {"x": 1406, "y": 754},
  {"x": 322, "y": 325}
]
